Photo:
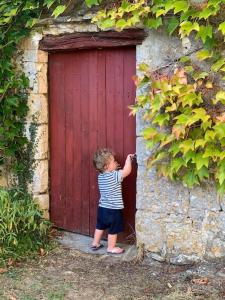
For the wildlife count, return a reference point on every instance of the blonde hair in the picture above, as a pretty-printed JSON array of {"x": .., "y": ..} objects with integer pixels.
[{"x": 101, "y": 158}]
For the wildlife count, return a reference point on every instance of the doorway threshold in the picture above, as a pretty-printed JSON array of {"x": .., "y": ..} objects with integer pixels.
[{"x": 82, "y": 243}]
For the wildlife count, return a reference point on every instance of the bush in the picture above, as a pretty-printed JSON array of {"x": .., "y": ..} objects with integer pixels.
[{"x": 23, "y": 230}]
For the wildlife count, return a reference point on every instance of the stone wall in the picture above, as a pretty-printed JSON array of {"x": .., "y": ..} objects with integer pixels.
[{"x": 174, "y": 223}]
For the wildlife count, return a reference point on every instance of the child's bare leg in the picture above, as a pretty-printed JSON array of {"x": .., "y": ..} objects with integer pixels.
[
  {"x": 97, "y": 237},
  {"x": 112, "y": 238}
]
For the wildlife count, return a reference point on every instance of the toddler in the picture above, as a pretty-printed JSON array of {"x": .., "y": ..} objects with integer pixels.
[{"x": 111, "y": 205}]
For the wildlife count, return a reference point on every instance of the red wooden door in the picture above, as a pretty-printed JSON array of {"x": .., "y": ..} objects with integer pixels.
[{"x": 90, "y": 91}]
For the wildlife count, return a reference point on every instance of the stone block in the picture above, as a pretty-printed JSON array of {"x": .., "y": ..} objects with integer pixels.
[
  {"x": 42, "y": 142},
  {"x": 142, "y": 151},
  {"x": 181, "y": 237},
  {"x": 160, "y": 195},
  {"x": 203, "y": 200},
  {"x": 3, "y": 181},
  {"x": 30, "y": 69},
  {"x": 31, "y": 42},
  {"x": 149, "y": 230},
  {"x": 42, "y": 79},
  {"x": 183, "y": 259},
  {"x": 40, "y": 179},
  {"x": 159, "y": 49},
  {"x": 42, "y": 200},
  {"x": 57, "y": 29},
  {"x": 35, "y": 56},
  {"x": 213, "y": 234},
  {"x": 38, "y": 107}
]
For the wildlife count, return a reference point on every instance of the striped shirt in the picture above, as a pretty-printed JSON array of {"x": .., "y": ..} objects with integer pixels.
[{"x": 110, "y": 189}]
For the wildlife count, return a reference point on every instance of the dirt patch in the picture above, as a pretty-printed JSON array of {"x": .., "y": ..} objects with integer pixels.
[{"x": 70, "y": 274}]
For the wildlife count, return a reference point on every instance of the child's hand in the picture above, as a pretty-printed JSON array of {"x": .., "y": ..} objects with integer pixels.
[
  {"x": 118, "y": 166},
  {"x": 131, "y": 157}
]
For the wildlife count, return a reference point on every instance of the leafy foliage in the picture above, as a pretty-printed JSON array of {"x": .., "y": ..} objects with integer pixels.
[{"x": 23, "y": 229}]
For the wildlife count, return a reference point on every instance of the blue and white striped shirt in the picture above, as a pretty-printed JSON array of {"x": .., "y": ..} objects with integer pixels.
[{"x": 110, "y": 189}]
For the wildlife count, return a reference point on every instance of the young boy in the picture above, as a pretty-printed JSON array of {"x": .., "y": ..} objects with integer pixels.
[{"x": 110, "y": 208}]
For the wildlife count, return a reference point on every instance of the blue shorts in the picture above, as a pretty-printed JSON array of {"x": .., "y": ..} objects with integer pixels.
[{"x": 111, "y": 219}]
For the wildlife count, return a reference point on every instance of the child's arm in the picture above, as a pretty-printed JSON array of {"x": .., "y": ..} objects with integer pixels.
[{"x": 127, "y": 166}]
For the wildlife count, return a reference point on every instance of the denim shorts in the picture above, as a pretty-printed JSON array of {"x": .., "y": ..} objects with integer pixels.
[{"x": 111, "y": 219}]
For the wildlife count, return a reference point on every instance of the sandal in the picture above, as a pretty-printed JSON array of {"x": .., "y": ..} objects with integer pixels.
[
  {"x": 116, "y": 250},
  {"x": 96, "y": 247}
]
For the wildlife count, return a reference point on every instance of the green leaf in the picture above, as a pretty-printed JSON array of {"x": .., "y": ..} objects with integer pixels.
[
  {"x": 30, "y": 23},
  {"x": 184, "y": 59},
  {"x": 220, "y": 130},
  {"x": 204, "y": 54},
  {"x": 143, "y": 67},
  {"x": 190, "y": 179},
  {"x": 161, "y": 119},
  {"x": 121, "y": 24},
  {"x": 180, "y": 6},
  {"x": 153, "y": 23},
  {"x": 206, "y": 125},
  {"x": 200, "y": 143},
  {"x": 58, "y": 10},
  {"x": 177, "y": 163},
  {"x": 200, "y": 161},
  {"x": 199, "y": 75},
  {"x": 205, "y": 13},
  {"x": 186, "y": 145},
  {"x": 49, "y": 3},
  {"x": 217, "y": 65},
  {"x": 174, "y": 148},
  {"x": 222, "y": 27},
  {"x": 220, "y": 96},
  {"x": 90, "y": 3},
  {"x": 149, "y": 133},
  {"x": 172, "y": 25},
  {"x": 11, "y": 13},
  {"x": 107, "y": 23},
  {"x": 186, "y": 27},
  {"x": 188, "y": 69},
  {"x": 201, "y": 114},
  {"x": 210, "y": 135},
  {"x": 220, "y": 173},
  {"x": 204, "y": 33},
  {"x": 190, "y": 155},
  {"x": 202, "y": 173},
  {"x": 158, "y": 157}
]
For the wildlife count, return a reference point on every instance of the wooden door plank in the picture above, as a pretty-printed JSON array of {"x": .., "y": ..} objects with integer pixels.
[
  {"x": 101, "y": 98},
  {"x": 69, "y": 84},
  {"x": 84, "y": 57},
  {"x": 57, "y": 131},
  {"x": 93, "y": 129},
  {"x": 77, "y": 146},
  {"x": 118, "y": 114},
  {"x": 129, "y": 184},
  {"x": 110, "y": 96}
]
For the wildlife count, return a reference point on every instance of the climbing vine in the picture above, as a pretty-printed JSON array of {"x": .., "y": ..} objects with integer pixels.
[{"x": 184, "y": 103}]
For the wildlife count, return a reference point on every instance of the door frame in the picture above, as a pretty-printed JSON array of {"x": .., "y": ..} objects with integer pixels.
[{"x": 91, "y": 40}]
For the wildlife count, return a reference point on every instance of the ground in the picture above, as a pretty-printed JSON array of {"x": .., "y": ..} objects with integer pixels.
[{"x": 68, "y": 273}]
